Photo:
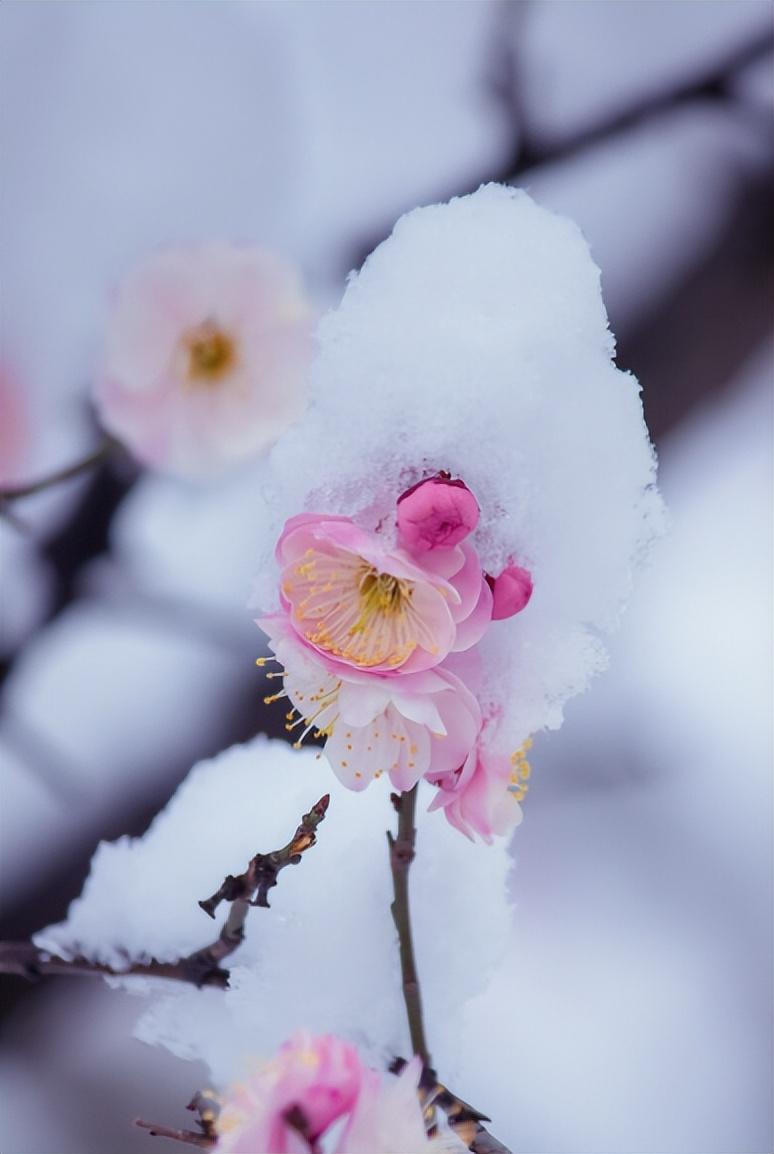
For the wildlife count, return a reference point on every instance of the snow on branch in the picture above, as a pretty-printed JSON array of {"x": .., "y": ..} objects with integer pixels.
[{"x": 202, "y": 967}]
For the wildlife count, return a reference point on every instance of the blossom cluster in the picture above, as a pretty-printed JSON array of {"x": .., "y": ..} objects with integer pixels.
[{"x": 376, "y": 640}]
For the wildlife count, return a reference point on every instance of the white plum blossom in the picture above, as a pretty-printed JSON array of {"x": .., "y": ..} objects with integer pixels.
[{"x": 205, "y": 357}]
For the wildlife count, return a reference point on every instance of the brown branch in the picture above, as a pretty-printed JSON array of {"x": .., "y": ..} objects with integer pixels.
[
  {"x": 190, "y": 1137},
  {"x": 14, "y": 492},
  {"x": 401, "y": 856},
  {"x": 201, "y": 968},
  {"x": 251, "y": 889},
  {"x": 466, "y": 1122},
  {"x": 28, "y": 961}
]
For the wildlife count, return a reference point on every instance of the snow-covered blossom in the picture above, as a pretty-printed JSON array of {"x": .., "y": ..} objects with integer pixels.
[
  {"x": 362, "y": 605},
  {"x": 206, "y": 353},
  {"x": 465, "y": 398},
  {"x": 435, "y": 513},
  {"x": 316, "y": 1094},
  {"x": 365, "y": 630}
]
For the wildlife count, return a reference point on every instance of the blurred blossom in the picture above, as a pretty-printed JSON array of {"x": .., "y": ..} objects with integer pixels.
[
  {"x": 206, "y": 353},
  {"x": 316, "y": 1084}
]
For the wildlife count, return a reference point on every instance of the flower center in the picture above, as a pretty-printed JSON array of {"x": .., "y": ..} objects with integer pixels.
[
  {"x": 348, "y": 608},
  {"x": 381, "y": 593},
  {"x": 211, "y": 354}
]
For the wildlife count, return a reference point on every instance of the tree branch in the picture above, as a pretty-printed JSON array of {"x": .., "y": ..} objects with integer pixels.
[
  {"x": 201, "y": 968},
  {"x": 190, "y": 1137},
  {"x": 401, "y": 856},
  {"x": 14, "y": 492},
  {"x": 466, "y": 1122}
]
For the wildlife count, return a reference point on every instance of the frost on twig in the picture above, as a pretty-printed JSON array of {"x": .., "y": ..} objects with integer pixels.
[{"x": 202, "y": 967}]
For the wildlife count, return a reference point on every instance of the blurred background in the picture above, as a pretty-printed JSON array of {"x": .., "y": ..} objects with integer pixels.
[{"x": 643, "y": 935}]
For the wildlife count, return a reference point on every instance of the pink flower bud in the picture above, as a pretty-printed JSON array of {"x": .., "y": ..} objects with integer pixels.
[
  {"x": 510, "y": 591},
  {"x": 436, "y": 513}
]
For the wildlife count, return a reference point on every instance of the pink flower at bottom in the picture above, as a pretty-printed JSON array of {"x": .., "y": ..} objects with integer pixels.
[
  {"x": 317, "y": 1088},
  {"x": 207, "y": 349}
]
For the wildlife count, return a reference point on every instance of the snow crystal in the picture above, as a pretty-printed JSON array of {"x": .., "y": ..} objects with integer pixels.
[
  {"x": 324, "y": 957},
  {"x": 475, "y": 340}
]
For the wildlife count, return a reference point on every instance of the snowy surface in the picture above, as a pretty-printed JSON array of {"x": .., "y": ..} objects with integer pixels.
[
  {"x": 475, "y": 340},
  {"x": 324, "y": 957}
]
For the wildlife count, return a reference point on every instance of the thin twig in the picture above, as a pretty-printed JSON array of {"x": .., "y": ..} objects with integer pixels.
[
  {"x": 251, "y": 889},
  {"x": 190, "y": 1137},
  {"x": 466, "y": 1122},
  {"x": 201, "y": 968},
  {"x": 14, "y": 492},
  {"x": 402, "y": 851}
]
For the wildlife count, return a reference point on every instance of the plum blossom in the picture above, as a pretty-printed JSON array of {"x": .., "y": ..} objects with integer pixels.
[
  {"x": 317, "y": 1095},
  {"x": 206, "y": 354},
  {"x": 511, "y": 591},
  {"x": 483, "y": 796},
  {"x": 437, "y": 512},
  {"x": 363, "y": 605},
  {"x": 377, "y": 647},
  {"x": 404, "y": 726}
]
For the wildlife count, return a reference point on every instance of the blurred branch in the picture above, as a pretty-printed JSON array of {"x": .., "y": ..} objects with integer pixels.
[
  {"x": 15, "y": 492},
  {"x": 711, "y": 83},
  {"x": 201, "y": 968},
  {"x": 190, "y": 1137}
]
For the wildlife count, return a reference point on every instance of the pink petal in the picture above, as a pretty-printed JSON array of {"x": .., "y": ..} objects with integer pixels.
[
  {"x": 472, "y": 629},
  {"x": 511, "y": 591},
  {"x": 436, "y": 513}
]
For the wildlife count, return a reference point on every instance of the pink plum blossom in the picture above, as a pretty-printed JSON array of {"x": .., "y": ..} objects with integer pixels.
[
  {"x": 406, "y": 727},
  {"x": 438, "y": 512},
  {"x": 316, "y": 1093},
  {"x": 206, "y": 353},
  {"x": 378, "y": 649},
  {"x": 364, "y": 605},
  {"x": 510, "y": 591},
  {"x": 483, "y": 796}
]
